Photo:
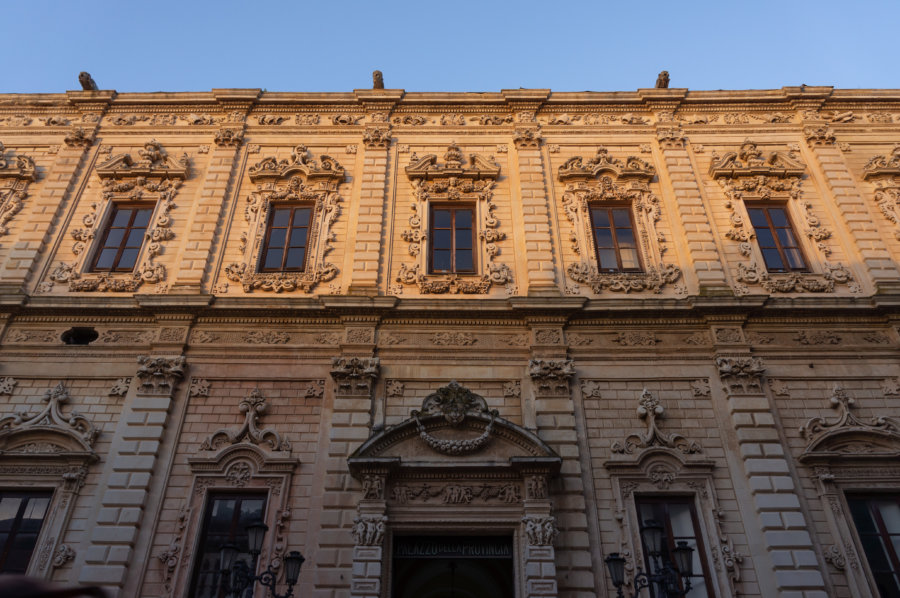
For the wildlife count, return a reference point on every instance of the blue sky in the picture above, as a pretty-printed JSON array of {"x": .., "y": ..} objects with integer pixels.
[{"x": 448, "y": 45}]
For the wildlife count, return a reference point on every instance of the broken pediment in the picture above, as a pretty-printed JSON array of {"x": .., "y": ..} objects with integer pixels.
[
  {"x": 454, "y": 166},
  {"x": 581, "y": 169},
  {"x": 325, "y": 169},
  {"x": 153, "y": 161},
  {"x": 881, "y": 166},
  {"x": 749, "y": 161},
  {"x": 19, "y": 167}
]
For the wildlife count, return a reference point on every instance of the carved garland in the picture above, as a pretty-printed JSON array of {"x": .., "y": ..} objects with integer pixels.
[
  {"x": 453, "y": 403},
  {"x": 155, "y": 176},
  {"x": 453, "y": 181},
  {"x": 298, "y": 179},
  {"x": 604, "y": 178},
  {"x": 748, "y": 175},
  {"x": 14, "y": 178},
  {"x": 884, "y": 174}
]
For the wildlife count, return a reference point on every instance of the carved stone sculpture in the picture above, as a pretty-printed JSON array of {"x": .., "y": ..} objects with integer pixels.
[
  {"x": 551, "y": 376},
  {"x": 253, "y": 406},
  {"x": 649, "y": 409},
  {"x": 662, "y": 81},
  {"x": 159, "y": 375},
  {"x": 368, "y": 530},
  {"x": 52, "y": 418},
  {"x": 355, "y": 375},
  {"x": 540, "y": 531},
  {"x": 87, "y": 82},
  {"x": 453, "y": 403},
  {"x": 741, "y": 374},
  {"x": 377, "y": 80},
  {"x": 846, "y": 421}
]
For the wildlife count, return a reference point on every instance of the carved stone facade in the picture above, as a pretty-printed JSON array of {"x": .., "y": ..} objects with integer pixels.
[{"x": 535, "y": 404}]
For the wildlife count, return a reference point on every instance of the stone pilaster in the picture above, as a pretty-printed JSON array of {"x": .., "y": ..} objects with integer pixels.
[
  {"x": 370, "y": 213},
  {"x": 699, "y": 236},
  {"x": 200, "y": 231},
  {"x": 127, "y": 478},
  {"x": 529, "y": 164},
  {"x": 866, "y": 239},
  {"x": 789, "y": 546},
  {"x": 369, "y": 530}
]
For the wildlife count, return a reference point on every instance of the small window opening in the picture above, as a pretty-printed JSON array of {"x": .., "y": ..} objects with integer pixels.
[{"x": 79, "y": 336}]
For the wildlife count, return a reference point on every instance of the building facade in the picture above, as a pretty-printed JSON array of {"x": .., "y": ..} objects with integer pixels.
[{"x": 450, "y": 343}]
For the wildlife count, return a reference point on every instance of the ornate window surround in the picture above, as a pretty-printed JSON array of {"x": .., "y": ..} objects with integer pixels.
[
  {"x": 883, "y": 172},
  {"x": 14, "y": 180},
  {"x": 52, "y": 451},
  {"x": 242, "y": 458},
  {"x": 291, "y": 181},
  {"x": 604, "y": 179},
  {"x": 454, "y": 181},
  {"x": 848, "y": 454},
  {"x": 748, "y": 175},
  {"x": 155, "y": 177},
  {"x": 654, "y": 463}
]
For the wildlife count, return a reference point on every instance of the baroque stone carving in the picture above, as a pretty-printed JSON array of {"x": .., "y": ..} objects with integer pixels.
[
  {"x": 817, "y": 337},
  {"x": 159, "y": 375},
  {"x": 817, "y": 136},
  {"x": 368, "y": 530},
  {"x": 156, "y": 176},
  {"x": 120, "y": 387},
  {"x": 79, "y": 137},
  {"x": 15, "y": 175},
  {"x": 199, "y": 388},
  {"x": 604, "y": 178},
  {"x": 846, "y": 421},
  {"x": 7, "y": 385},
  {"x": 540, "y": 531},
  {"x": 298, "y": 179},
  {"x": 63, "y": 554},
  {"x": 52, "y": 418},
  {"x": 636, "y": 339},
  {"x": 649, "y": 409},
  {"x": 253, "y": 406},
  {"x": 741, "y": 374},
  {"x": 551, "y": 376},
  {"x": 453, "y": 338},
  {"x": 796, "y": 282},
  {"x": 527, "y": 137},
  {"x": 453, "y": 403},
  {"x": 457, "y": 179},
  {"x": 883, "y": 172},
  {"x": 355, "y": 375}
]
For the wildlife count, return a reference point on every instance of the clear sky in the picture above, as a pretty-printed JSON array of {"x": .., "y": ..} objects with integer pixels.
[{"x": 448, "y": 45}]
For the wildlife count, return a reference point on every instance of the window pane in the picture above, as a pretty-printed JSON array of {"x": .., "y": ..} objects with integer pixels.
[
  {"x": 600, "y": 217},
  {"x": 765, "y": 237},
  {"x": 115, "y": 236},
  {"x": 630, "y": 259},
  {"x": 773, "y": 260},
  {"x": 128, "y": 259},
  {"x": 142, "y": 218},
  {"x": 463, "y": 219},
  {"x": 464, "y": 260},
  {"x": 786, "y": 237},
  {"x": 121, "y": 218},
  {"x": 621, "y": 218},
  {"x": 603, "y": 237},
  {"x": 625, "y": 237},
  {"x": 758, "y": 217},
  {"x": 441, "y": 260},
  {"x": 680, "y": 518},
  {"x": 33, "y": 516},
  {"x": 795, "y": 260},
  {"x": 135, "y": 238},
  {"x": 298, "y": 237},
  {"x": 281, "y": 217},
  {"x": 105, "y": 260},
  {"x": 21, "y": 518},
  {"x": 442, "y": 239},
  {"x": 277, "y": 236},
  {"x": 273, "y": 258},
  {"x": 890, "y": 514},
  {"x": 301, "y": 217},
  {"x": 608, "y": 259},
  {"x": 464, "y": 239},
  {"x": 295, "y": 258},
  {"x": 778, "y": 216},
  {"x": 9, "y": 508},
  {"x": 442, "y": 219}
]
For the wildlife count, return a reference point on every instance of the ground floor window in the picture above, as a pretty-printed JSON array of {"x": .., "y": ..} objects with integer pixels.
[
  {"x": 453, "y": 567},
  {"x": 224, "y": 522},
  {"x": 21, "y": 517},
  {"x": 678, "y": 518},
  {"x": 877, "y": 521}
]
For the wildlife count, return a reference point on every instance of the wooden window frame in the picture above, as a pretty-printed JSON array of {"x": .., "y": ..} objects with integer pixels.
[
  {"x": 204, "y": 528},
  {"x": 665, "y": 501},
  {"x": 882, "y": 533},
  {"x": 115, "y": 207},
  {"x": 268, "y": 233},
  {"x": 454, "y": 208},
  {"x": 29, "y": 494},
  {"x": 609, "y": 207},
  {"x": 750, "y": 205}
]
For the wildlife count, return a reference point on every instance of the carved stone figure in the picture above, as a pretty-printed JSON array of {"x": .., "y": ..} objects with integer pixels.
[
  {"x": 377, "y": 80},
  {"x": 662, "y": 81},
  {"x": 87, "y": 82}
]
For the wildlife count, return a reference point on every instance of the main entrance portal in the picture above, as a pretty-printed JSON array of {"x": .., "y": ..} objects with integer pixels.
[{"x": 453, "y": 567}]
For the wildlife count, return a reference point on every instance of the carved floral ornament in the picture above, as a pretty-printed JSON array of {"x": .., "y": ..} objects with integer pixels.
[
  {"x": 15, "y": 174},
  {"x": 49, "y": 431},
  {"x": 453, "y": 403},
  {"x": 751, "y": 175},
  {"x": 604, "y": 178},
  {"x": 253, "y": 406},
  {"x": 155, "y": 176},
  {"x": 457, "y": 179},
  {"x": 300, "y": 179},
  {"x": 649, "y": 409},
  {"x": 883, "y": 172}
]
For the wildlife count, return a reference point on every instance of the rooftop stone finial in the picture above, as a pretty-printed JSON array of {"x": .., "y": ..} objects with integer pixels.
[
  {"x": 87, "y": 82},
  {"x": 662, "y": 81},
  {"x": 377, "y": 80}
]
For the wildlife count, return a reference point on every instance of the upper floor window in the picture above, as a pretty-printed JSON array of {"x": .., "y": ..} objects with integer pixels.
[
  {"x": 678, "y": 518},
  {"x": 614, "y": 239},
  {"x": 225, "y": 521},
  {"x": 123, "y": 237},
  {"x": 452, "y": 240},
  {"x": 21, "y": 518},
  {"x": 287, "y": 239},
  {"x": 877, "y": 521},
  {"x": 776, "y": 238}
]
